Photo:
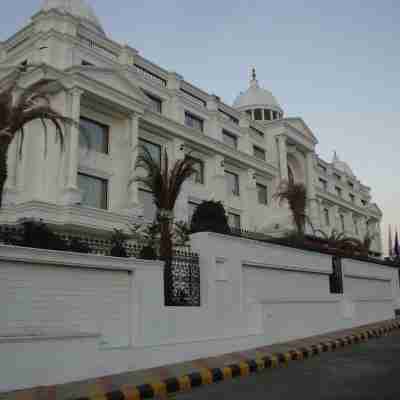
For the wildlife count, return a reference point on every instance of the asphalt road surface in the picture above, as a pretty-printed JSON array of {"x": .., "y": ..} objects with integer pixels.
[{"x": 369, "y": 370}]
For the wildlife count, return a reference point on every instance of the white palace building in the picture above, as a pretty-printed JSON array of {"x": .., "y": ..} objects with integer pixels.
[{"x": 242, "y": 151}]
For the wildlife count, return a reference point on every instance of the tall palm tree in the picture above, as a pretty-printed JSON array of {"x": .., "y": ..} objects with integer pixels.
[
  {"x": 296, "y": 196},
  {"x": 166, "y": 185},
  {"x": 20, "y": 106}
]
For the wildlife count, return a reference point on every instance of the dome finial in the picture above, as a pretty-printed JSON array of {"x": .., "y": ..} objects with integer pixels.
[
  {"x": 253, "y": 74},
  {"x": 335, "y": 157}
]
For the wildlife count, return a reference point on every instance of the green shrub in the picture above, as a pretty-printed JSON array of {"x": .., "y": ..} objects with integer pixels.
[{"x": 210, "y": 216}]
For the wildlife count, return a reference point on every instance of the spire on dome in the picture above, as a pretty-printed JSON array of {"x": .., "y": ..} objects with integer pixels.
[
  {"x": 253, "y": 80},
  {"x": 335, "y": 157}
]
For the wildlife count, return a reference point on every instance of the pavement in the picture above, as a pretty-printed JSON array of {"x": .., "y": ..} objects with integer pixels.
[
  {"x": 163, "y": 381},
  {"x": 367, "y": 370}
]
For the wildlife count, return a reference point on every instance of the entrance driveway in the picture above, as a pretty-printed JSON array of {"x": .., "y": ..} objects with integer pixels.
[{"x": 369, "y": 370}]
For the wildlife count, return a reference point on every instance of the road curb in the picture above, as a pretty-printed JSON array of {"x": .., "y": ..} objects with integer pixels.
[{"x": 208, "y": 376}]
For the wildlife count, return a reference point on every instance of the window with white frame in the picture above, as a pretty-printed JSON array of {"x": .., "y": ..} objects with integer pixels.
[
  {"x": 229, "y": 139},
  {"x": 94, "y": 135},
  {"x": 147, "y": 201},
  {"x": 198, "y": 166},
  {"x": 94, "y": 191},
  {"x": 234, "y": 220},
  {"x": 193, "y": 121},
  {"x": 259, "y": 153},
  {"x": 262, "y": 194},
  {"x": 233, "y": 183}
]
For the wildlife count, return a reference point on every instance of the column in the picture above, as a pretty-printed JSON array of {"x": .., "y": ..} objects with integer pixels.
[
  {"x": 133, "y": 134},
  {"x": 245, "y": 144},
  {"x": 71, "y": 192},
  {"x": 283, "y": 165},
  {"x": 251, "y": 200},
  {"x": 11, "y": 188},
  {"x": 311, "y": 193},
  {"x": 218, "y": 181},
  {"x": 181, "y": 206},
  {"x": 334, "y": 218},
  {"x": 174, "y": 106}
]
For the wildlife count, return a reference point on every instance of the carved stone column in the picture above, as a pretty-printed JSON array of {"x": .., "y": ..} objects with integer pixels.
[
  {"x": 283, "y": 164},
  {"x": 71, "y": 193}
]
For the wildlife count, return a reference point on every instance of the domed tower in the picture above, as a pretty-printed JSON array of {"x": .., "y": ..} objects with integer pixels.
[
  {"x": 77, "y": 8},
  {"x": 258, "y": 103}
]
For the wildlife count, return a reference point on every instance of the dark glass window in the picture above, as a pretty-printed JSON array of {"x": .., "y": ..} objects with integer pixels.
[
  {"x": 259, "y": 153},
  {"x": 94, "y": 135},
  {"x": 258, "y": 114},
  {"x": 198, "y": 165},
  {"x": 249, "y": 113},
  {"x": 229, "y": 139},
  {"x": 338, "y": 191},
  {"x": 86, "y": 63},
  {"x": 355, "y": 222},
  {"x": 93, "y": 190},
  {"x": 274, "y": 115},
  {"x": 233, "y": 183},
  {"x": 262, "y": 193},
  {"x": 267, "y": 115},
  {"x": 194, "y": 122},
  {"x": 326, "y": 215},
  {"x": 234, "y": 220},
  {"x": 342, "y": 222},
  {"x": 155, "y": 103},
  {"x": 352, "y": 197},
  {"x": 153, "y": 148}
]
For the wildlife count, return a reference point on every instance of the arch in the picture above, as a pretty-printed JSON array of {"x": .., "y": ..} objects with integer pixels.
[{"x": 296, "y": 168}]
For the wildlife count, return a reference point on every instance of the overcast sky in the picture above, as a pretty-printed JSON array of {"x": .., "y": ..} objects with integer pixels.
[{"x": 335, "y": 64}]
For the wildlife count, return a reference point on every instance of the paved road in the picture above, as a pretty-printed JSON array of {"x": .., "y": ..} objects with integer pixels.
[{"x": 368, "y": 370}]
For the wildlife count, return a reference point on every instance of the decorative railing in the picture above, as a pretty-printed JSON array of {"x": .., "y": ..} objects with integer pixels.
[
  {"x": 150, "y": 75},
  {"x": 184, "y": 289},
  {"x": 94, "y": 45}
]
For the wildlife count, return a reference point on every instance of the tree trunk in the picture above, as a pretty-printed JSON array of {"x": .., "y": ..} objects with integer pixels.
[{"x": 4, "y": 144}]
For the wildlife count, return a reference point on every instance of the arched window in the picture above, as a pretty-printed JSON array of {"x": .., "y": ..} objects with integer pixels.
[{"x": 290, "y": 175}]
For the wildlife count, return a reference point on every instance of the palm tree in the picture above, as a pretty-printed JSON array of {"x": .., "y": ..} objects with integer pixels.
[
  {"x": 20, "y": 106},
  {"x": 166, "y": 185},
  {"x": 296, "y": 196}
]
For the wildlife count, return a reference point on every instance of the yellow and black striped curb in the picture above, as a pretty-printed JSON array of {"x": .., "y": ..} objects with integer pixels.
[{"x": 244, "y": 368}]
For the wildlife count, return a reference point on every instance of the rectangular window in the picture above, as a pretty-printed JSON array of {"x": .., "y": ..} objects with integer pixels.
[
  {"x": 324, "y": 184},
  {"x": 86, "y": 63},
  {"x": 267, "y": 115},
  {"x": 326, "y": 217},
  {"x": 229, "y": 139},
  {"x": 233, "y": 183},
  {"x": 342, "y": 223},
  {"x": 248, "y": 112},
  {"x": 364, "y": 202},
  {"x": 352, "y": 197},
  {"x": 275, "y": 115},
  {"x": 191, "y": 209},
  {"x": 262, "y": 193},
  {"x": 194, "y": 122},
  {"x": 94, "y": 135},
  {"x": 258, "y": 114},
  {"x": 94, "y": 191},
  {"x": 234, "y": 220},
  {"x": 153, "y": 148},
  {"x": 351, "y": 184},
  {"x": 149, "y": 208},
  {"x": 155, "y": 103},
  {"x": 198, "y": 176},
  {"x": 355, "y": 222},
  {"x": 338, "y": 191},
  {"x": 259, "y": 153}
]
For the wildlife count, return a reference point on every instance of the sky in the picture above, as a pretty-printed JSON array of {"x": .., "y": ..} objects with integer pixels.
[{"x": 334, "y": 64}]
